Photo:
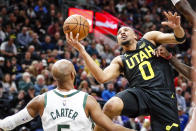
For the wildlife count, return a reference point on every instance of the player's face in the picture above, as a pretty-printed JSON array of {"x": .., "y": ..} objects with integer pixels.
[{"x": 125, "y": 35}]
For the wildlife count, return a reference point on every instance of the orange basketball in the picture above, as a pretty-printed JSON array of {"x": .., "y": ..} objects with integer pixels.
[{"x": 76, "y": 24}]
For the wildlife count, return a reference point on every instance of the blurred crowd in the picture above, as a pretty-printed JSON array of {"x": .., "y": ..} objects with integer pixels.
[{"x": 31, "y": 40}]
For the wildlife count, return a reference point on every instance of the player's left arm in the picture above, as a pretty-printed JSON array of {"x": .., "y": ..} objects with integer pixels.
[
  {"x": 177, "y": 37},
  {"x": 182, "y": 68},
  {"x": 23, "y": 116}
]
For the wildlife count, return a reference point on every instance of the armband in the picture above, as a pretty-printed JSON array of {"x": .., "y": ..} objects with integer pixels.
[
  {"x": 15, "y": 120},
  {"x": 169, "y": 57},
  {"x": 180, "y": 39},
  {"x": 175, "y": 2}
]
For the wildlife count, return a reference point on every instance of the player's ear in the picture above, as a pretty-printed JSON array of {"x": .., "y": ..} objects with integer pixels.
[{"x": 73, "y": 74}]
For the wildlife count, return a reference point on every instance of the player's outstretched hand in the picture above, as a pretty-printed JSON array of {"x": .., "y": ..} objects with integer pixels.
[
  {"x": 163, "y": 52},
  {"x": 74, "y": 42},
  {"x": 173, "y": 20}
]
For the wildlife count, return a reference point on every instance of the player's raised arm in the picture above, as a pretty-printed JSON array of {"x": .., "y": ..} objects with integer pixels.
[
  {"x": 111, "y": 72},
  {"x": 100, "y": 118},
  {"x": 177, "y": 37},
  {"x": 23, "y": 116},
  {"x": 184, "y": 7}
]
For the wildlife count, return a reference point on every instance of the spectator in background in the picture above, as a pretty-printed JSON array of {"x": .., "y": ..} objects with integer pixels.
[
  {"x": 56, "y": 38},
  {"x": 40, "y": 84},
  {"x": 16, "y": 66},
  {"x": 180, "y": 99},
  {"x": 84, "y": 87},
  {"x": 120, "y": 6},
  {"x": 8, "y": 48},
  {"x": 30, "y": 95},
  {"x": 91, "y": 49},
  {"x": 24, "y": 38},
  {"x": 109, "y": 92},
  {"x": 60, "y": 48},
  {"x": 36, "y": 42},
  {"x": 47, "y": 44},
  {"x": 183, "y": 117},
  {"x": 18, "y": 102},
  {"x": 8, "y": 84},
  {"x": 40, "y": 7},
  {"x": 25, "y": 83},
  {"x": 39, "y": 29},
  {"x": 31, "y": 13},
  {"x": 26, "y": 61},
  {"x": 4, "y": 102},
  {"x": 8, "y": 68}
]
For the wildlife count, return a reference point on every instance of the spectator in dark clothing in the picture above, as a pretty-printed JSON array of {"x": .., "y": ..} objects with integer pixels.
[
  {"x": 56, "y": 38},
  {"x": 33, "y": 52},
  {"x": 47, "y": 44},
  {"x": 30, "y": 94},
  {"x": 91, "y": 49},
  {"x": 18, "y": 102},
  {"x": 8, "y": 67},
  {"x": 36, "y": 42},
  {"x": 24, "y": 38},
  {"x": 40, "y": 30},
  {"x": 27, "y": 60},
  {"x": 4, "y": 102}
]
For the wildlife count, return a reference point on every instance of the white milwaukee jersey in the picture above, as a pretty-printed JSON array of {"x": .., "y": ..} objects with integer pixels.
[{"x": 65, "y": 111}]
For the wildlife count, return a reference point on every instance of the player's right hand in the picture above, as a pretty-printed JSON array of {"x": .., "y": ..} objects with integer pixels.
[
  {"x": 173, "y": 20},
  {"x": 74, "y": 41}
]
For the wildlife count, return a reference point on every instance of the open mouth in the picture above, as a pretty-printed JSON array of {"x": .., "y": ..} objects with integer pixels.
[{"x": 123, "y": 37}]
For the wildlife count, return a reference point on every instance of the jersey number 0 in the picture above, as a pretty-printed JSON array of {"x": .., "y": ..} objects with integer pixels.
[{"x": 145, "y": 77}]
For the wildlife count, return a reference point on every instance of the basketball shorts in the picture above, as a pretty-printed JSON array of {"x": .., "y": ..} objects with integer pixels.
[{"x": 160, "y": 105}]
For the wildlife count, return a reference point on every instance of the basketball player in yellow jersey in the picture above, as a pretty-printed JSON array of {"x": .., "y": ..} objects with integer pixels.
[
  {"x": 150, "y": 79},
  {"x": 63, "y": 108}
]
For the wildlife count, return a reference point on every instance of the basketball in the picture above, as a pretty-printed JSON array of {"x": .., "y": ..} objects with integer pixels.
[{"x": 76, "y": 24}]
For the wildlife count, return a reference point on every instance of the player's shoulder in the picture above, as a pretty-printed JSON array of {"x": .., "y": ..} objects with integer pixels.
[
  {"x": 39, "y": 98},
  {"x": 151, "y": 36}
]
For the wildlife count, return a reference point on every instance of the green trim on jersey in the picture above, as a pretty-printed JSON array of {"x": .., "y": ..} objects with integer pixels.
[
  {"x": 45, "y": 100},
  {"x": 64, "y": 96},
  {"x": 84, "y": 102}
]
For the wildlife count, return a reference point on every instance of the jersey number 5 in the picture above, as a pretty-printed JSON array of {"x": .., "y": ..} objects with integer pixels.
[
  {"x": 141, "y": 68},
  {"x": 60, "y": 127}
]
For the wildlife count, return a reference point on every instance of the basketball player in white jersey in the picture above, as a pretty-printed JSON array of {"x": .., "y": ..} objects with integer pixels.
[{"x": 64, "y": 108}]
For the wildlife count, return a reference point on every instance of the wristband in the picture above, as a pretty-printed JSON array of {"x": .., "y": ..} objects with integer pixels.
[
  {"x": 169, "y": 57},
  {"x": 180, "y": 39}
]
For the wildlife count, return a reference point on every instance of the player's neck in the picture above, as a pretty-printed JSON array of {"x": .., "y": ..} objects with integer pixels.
[
  {"x": 65, "y": 86},
  {"x": 131, "y": 46}
]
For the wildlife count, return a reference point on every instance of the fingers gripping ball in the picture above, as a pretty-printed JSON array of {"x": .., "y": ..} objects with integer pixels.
[{"x": 76, "y": 24}]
